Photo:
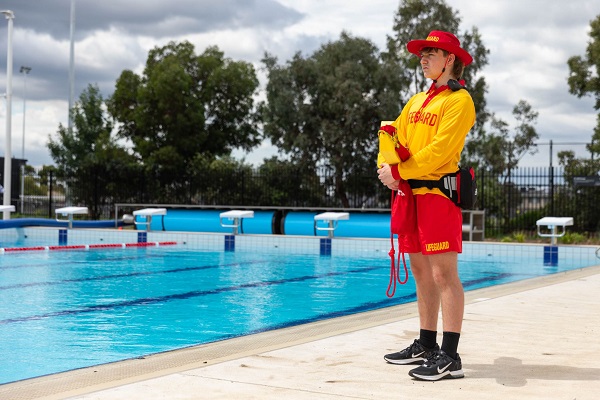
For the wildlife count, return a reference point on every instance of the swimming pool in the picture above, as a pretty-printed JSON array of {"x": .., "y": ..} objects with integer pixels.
[{"x": 64, "y": 310}]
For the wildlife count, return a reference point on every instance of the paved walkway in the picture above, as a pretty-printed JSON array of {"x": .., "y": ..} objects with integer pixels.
[{"x": 537, "y": 339}]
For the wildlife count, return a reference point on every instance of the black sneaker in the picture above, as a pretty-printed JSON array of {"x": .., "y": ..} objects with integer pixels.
[
  {"x": 438, "y": 366},
  {"x": 413, "y": 354}
]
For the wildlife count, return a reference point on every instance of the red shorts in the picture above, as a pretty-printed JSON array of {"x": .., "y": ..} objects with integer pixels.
[{"x": 439, "y": 223}]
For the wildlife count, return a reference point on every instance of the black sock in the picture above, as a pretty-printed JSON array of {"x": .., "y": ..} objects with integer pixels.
[
  {"x": 450, "y": 343},
  {"x": 427, "y": 338}
]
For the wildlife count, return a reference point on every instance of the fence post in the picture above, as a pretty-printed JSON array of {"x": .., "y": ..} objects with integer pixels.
[
  {"x": 50, "y": 189},
  {"x": 96, "y": 205},
  {"x": 243, "y": 185},
  {"x": 509, "y": 197},
  {"x": 482, "y": 195},
  {"x": 551, "y": 182},
  {"x": 551, "y": 190}
]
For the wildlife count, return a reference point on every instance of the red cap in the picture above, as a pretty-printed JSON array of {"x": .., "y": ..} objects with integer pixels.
[{"x": 440, "y": 40}]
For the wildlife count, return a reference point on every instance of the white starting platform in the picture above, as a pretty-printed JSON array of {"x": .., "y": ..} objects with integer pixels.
[
  {"x": 552, "y": 227},
  {"x": 69, "y": 212},
  {"x": 235, "y": 217},
  {"x": 549, "y": 227},
  {"x": 6, "y": 210},
  {"x": 332, "y": 219},
  {"x": 148, "y": 213}
]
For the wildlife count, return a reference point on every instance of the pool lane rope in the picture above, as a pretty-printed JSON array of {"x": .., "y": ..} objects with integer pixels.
[{"x": 84, "y": 246}]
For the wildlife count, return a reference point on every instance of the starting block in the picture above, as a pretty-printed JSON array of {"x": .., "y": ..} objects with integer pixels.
[
  {"x": 148, "y": 213},
  {"x": 236, "y": 216},
  {"x": 69, "y": 211},
  {"x": 332, "y": 218},
  {"x": 551, "y": 225},
  {"x": 6, "y": 210}
]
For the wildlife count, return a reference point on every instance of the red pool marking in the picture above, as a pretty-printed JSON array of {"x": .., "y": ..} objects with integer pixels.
[
  {"x": 146, "y": 244},
  {"x": 141, "y": 244},
  {"x": 104, "y": 245},
  {"x": 67, "y": 247},
  {"x": 85, "y": 247},
  {"x": 17, "y": 249}
]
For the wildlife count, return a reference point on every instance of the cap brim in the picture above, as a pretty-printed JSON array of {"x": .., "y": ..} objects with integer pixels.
[{"x": 415, "y": 47}]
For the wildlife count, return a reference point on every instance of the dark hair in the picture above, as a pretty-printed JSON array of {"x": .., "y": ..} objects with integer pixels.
[{"x": 457, "y": 68}]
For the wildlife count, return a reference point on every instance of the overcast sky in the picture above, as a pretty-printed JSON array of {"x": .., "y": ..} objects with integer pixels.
[{"x": 529, "y": 42}]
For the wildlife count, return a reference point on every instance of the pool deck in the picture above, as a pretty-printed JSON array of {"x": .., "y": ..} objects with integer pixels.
[{"x": 534, "y": 339}]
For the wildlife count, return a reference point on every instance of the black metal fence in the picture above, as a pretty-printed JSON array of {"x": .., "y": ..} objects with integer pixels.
[
  {"x": 512, "y": 201},
  {"x": 516, "y": 200}
]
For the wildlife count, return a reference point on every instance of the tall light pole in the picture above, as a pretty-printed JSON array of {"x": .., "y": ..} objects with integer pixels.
[
  {"x": 71, "y": 67},
  {"x": 7, "y": 152},
  {"x": 25, "y": 71}
]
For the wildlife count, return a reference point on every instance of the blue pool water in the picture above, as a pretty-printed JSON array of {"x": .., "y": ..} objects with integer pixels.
[{"x": 63, "y": 310}]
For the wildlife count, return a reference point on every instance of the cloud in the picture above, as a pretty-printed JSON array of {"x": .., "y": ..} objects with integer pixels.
[
  {"x": 529, "y": 43},
  {"x": 111, "y": 37},
  {"x": 153, "y": 18}
]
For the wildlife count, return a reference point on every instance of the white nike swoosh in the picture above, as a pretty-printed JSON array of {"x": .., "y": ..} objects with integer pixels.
[
  {"x": 440, "y": 370},
  {"x": 417, "y": 355}
]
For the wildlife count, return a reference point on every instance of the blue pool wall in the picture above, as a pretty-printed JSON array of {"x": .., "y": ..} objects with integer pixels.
[
  {"x": 23, "y": 222},
  {"x": 371, "y": 225},
  {"x": 209, "y": 221}
]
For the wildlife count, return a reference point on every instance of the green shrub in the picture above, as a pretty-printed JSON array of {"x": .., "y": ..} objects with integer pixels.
[
  {"x": 519, "y": 237},
  {"x": 573, "y": 238}
]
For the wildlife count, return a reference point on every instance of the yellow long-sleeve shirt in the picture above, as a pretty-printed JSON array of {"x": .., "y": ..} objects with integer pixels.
[{"x": 434, "y": 135}]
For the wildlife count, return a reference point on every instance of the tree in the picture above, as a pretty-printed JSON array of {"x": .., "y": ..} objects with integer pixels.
[
  {"x": 88, "y": 156},
  {"x": 580, "y": 201},
  {"x": 496, "y": 150},
  {"x": 325, "y": 109},
  {"x": 73, "y": 147},
  {"x": 283, "y": 183},
  {"x": 185, "y": 105},
  {"x": 584, "y": 80},
  {"x": 498, "y": 153},
  {"x": 584, "y": 77}
]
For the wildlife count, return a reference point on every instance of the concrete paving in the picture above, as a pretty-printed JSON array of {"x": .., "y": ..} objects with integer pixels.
[{"x": 534, "y": 339}]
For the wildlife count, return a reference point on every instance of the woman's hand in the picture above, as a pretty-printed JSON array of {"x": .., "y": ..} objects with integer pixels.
[
  {"x": 386, "y": 178},
  {"x": 394, "y": 185}
]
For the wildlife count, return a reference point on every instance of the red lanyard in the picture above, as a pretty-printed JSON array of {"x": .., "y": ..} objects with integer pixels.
[{"x": 431, "y": 94}]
